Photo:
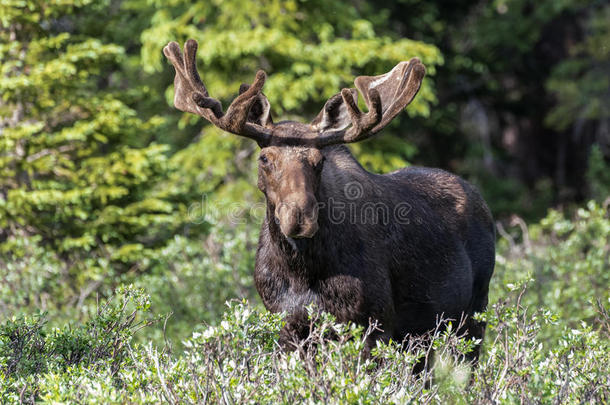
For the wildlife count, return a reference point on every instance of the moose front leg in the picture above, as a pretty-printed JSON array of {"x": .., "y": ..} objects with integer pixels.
[
  {"x": 296, "y": 329},
  {"x": 298, "y": 324}
]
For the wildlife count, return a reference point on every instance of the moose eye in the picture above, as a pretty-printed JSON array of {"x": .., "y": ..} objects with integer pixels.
[{"x": 263, "y": 159}]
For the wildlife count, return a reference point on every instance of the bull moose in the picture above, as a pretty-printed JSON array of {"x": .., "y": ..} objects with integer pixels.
[{"x": 413, "y": 245}]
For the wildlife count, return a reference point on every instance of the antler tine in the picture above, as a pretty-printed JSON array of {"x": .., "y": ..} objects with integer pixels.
[
  {"x": 190, "y": 63},
  {"x": 405, "y": 93},
  {"x": 385, "y": 96},
  {"x": 361, "y": 123},
  {"x": 237, "y": 114},
  {"x": 192, "y": 96},
  {"x": 234, "y": 120}
]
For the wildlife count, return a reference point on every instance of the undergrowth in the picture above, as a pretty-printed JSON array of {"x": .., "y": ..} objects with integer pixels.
[{"x": 547, "y": 341}]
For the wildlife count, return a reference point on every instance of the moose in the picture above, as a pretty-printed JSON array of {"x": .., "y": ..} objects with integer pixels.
[{"x": 420, "y": 246}]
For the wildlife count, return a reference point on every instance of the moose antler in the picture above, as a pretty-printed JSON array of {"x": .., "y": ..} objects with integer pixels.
[
  {"x": 385, "y": 96},
  {"x": 249, "y": 114},
  {"x": 192, "y": 96}
]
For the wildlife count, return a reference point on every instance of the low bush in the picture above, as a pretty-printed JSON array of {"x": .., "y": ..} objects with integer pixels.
[
  {"x": 239, "y": 361},
  {"x": 547, "y": 341},
  {"x": 32, "y": 355}
]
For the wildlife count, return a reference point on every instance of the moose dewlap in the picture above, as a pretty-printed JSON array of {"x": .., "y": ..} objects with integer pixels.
[{"x": 402, "y": 249}]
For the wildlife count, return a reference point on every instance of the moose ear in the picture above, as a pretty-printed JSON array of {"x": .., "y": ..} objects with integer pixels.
[
  {"x": 260, "y": 112},
  {"x": 334, "y": 115}
]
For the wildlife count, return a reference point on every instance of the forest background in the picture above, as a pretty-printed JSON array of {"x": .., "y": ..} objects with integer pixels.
[{"x": 103, "y": 183}]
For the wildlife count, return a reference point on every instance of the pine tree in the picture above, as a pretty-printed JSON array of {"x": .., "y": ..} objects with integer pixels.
[{"x": 78, "y": 174}]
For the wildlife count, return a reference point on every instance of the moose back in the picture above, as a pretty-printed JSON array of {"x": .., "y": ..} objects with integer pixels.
[{"x": 402, "y": 249}]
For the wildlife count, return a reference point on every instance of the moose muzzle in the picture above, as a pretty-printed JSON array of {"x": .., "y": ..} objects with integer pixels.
[{"x": 298, "y": 215}]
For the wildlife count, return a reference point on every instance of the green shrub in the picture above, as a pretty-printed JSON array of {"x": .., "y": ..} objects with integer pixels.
[
  {"x": 31, "y": 355},
  {"x": 239, "y": 361},
  {"x": 567, "y": 260},
  {"x": 548, "y": 338}
]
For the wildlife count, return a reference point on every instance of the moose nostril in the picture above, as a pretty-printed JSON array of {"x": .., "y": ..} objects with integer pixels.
[
  {"x": 290, "y": 228},
  {"x": 297, "y": 217}
]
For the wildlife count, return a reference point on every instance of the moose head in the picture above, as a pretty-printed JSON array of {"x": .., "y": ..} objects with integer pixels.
[{"x": 291, "y": 161}]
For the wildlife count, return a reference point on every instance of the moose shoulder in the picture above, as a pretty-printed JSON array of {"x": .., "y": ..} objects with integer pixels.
[{"x": 402, "y": 249}]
